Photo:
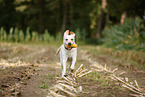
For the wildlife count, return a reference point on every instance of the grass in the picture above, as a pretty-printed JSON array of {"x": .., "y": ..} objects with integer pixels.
[
  {"x": 135, "y": 58},
  {"x": 132, "y": 58},
  {"x": 100, "y": 85},
  {"x": 44, "y": 85}
]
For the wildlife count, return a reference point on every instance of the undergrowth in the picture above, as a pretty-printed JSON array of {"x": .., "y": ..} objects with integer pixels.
[{"x": 128, "y": 36}]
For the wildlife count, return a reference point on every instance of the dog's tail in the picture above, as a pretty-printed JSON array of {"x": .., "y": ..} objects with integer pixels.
[{"x": 58, "y": 50}]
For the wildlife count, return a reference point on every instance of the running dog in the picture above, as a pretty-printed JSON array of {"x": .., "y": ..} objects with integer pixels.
[{"x": 68, "y": 52}]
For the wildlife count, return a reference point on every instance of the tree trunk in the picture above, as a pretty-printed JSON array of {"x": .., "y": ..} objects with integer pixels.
[
  {"x": 123, "y": 16},
  {"x": 98, "y": 35},
  {"x": 100, "y": 24},
  {"x": 64, "y": 16},
  {"x": 107, "y": 18},
  {"x": 71, "y": 14}
]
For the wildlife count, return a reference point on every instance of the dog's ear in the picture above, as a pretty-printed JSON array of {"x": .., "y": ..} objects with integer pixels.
[
  {"x": 66, "y": 32},
  {"x": 72, "y": 33}
]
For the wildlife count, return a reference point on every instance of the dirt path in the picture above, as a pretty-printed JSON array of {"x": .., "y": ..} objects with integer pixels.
[
  {"x": 33, "y": 77},
  {"x": 40, "y": 68}
]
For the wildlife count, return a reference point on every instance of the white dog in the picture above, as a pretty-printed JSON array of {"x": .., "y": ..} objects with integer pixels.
[{"x": 67, "y": 53}]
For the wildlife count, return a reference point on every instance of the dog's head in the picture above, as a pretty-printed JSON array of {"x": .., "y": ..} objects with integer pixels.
[{"x": 69, "y": 39}]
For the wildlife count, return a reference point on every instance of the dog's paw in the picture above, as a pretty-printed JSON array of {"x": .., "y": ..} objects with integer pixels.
[
  {"x": 72, "y": 70},
  {"x": 65, "y": 75}
]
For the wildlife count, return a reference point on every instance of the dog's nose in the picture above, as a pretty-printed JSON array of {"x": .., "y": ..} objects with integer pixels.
[{"x": 69, "y": 43}]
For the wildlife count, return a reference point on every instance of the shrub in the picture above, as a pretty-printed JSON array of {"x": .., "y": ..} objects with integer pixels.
[
  {"x": 17, "y": 35},
  {"x": 126, "y": 36}
]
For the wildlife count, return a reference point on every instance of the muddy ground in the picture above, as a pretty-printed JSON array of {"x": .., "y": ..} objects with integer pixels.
[{"x": 29, "y": 70}]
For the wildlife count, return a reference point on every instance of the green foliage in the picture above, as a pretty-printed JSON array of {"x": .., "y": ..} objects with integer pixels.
[
  {"x": 58, "y": 38},
  {"x": 81, "y": 17},
  {"x": 17, "y": 35},
  {"x": 28, "y": 35},
  {"x": 80, "y": 34},
  {"x": 21, "y": 36},
  {"x": 94, "y": 14},
  {"x": 126, "y": 36},
  {"x": 48, "y": 14},
  {"x": 47, "y": 37}
]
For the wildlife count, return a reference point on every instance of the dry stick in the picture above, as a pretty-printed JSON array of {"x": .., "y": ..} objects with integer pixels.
[
  {"x": 54, "y": 88},
  {"x": 66, "y": 86},
  {"x": 74, "y": 77},
  {"x": 55, "y": 94},
  {"x": 115, "y": 69},
  {"x": 69, "y": 93},
  {"x": 68, "y": 81},
  {"x": 122, "y": 73},
  {"x": 109, "y": 69},
  {"x": 98, "y": 66},
  {"x": 69, "y": 87},
  {"x": 131, "y": 89},
  {"x": 131, "y": 83},
  {"x": 136, "y": 84},
  {"x": 98, "y": 70},
  {"x": 80, "y": 89},
  {"x": 63, "y": 81},
  {"x": 59, "y": 78},
  {"x": 126, "y": 83},
  {"x": 126, "y": 79},
  {"x": 135, "y": 95},
  {"x": 113, "y": 78},
  {"x": 82, "y": 72},
  {"x": 85, "y": 73},
  {"x": 78, "y": 70},
  {"x": 70, "y": 78},
  {"x": 105, "y": 67}
]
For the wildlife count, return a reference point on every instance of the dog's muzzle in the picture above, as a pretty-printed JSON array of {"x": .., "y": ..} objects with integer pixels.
[
  {"x": 69, "y": 44},
  {"x": 68, "y": 48}
]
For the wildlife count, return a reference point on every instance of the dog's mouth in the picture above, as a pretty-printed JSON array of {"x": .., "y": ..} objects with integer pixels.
[{"x": 68, "y": 47}]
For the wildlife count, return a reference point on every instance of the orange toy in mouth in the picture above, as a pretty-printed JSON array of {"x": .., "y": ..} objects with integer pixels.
[{"x": 73, "y": 46}]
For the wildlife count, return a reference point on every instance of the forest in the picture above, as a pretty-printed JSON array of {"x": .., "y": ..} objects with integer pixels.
[
  {"x": 94, "y": 21},
  {"x": 110, "y": 42}
]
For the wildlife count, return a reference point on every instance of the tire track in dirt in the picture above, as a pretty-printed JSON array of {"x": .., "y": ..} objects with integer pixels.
[
  {"x": 32, "y": 53},
  {"x": 48, "y": 69}
]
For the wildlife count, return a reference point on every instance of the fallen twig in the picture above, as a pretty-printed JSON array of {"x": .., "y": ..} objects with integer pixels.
[
  {"x": 125, "y": 83},
  {"x": 69, "y": 84}
]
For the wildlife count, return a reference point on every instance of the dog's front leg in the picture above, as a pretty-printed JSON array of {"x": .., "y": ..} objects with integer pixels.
[
  {"x": 64, "y": 67},
  {"x": 73, "y": 64}
]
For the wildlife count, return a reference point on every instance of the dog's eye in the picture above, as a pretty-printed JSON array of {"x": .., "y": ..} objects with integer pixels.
[
  {"x": 66, "y": 39},
  {"x": 71, "y": 39}
]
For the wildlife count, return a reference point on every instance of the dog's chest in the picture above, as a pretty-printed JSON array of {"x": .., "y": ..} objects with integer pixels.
[{"x": 70, "y": 53}]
